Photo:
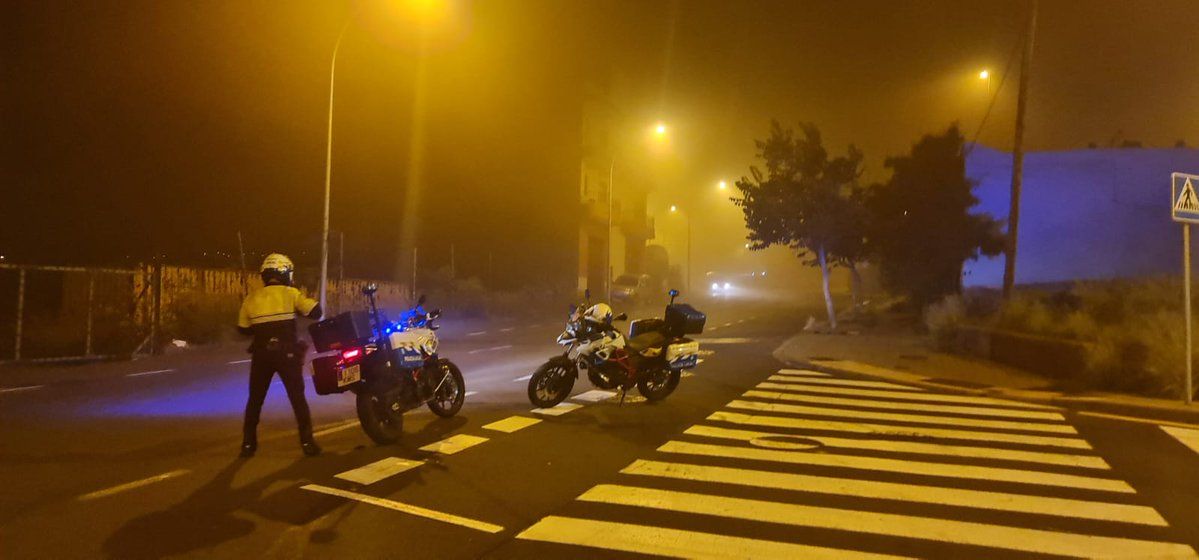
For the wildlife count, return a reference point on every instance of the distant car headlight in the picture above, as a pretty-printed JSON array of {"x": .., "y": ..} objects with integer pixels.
[
  {"x": 715, "y": 286},
  {"x": 727, "y": 285}
]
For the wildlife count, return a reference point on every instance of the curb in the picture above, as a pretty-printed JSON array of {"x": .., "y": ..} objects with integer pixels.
[{"x": 1075, "y": 404}]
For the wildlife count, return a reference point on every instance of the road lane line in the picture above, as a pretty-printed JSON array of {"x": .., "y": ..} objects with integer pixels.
[
  {"x": 919, "y": 407},
  {"x": 895, "y": 525},
  {"x": 337, "y": 428},
  {"x": 594, "y": 395},
  {"x": 921, "y": 396},
  {"x": 511, "y": 424},
  {"x": 476, "y": 333},
  {"x": 523, "y": 378},
  {"x": 763, "y": 439},
  {"x": 888, "y": 430},
  {"x": 236, "y": 362},
  {"x": 558, "y": 410},
  {"x": 1140, "y": 420},
  {"x": 470, "y": 393},
  {"x": 139, "y": 374},
  {"x": 19, "y": 389},
  {"x": 132, "y": 485},
  {"x": 1022, "y": 503},
  {"x": 508, "y": 329},
  {"x": 407, "y": 508},
  {"x": 727, "y": 325},
  {"x": 946, "y": 470},
  {"x": 379, "y": 470},
  {"x": 804, "y": 372},
  {"x": 491, "y": 349},
  {"x": 1187, "y": 437},
  {"x": 894, "y": 416},
  {"x": 454, "y": 444},
  {"x": 837, "y": 381},
  {"x": 724, "y": 340},
  {"x": 674, "y": 543}
]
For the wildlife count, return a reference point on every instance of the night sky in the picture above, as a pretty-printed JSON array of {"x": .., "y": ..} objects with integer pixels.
[{"x": 137, "y": 128}]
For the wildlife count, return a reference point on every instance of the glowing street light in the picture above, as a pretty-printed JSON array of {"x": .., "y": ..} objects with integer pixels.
[
  {"x": 985, "y": 74},
  {"x": 660, "y": 129},
  {"x": 723, "y": 185}
]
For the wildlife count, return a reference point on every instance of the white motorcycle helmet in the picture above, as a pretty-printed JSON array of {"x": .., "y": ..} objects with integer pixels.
[
  {"x": 599, "y": 313},
  {"x": 277, "y": 267}
]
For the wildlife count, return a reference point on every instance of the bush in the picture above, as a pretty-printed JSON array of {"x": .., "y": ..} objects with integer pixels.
[{"x": 943, "y": 320}]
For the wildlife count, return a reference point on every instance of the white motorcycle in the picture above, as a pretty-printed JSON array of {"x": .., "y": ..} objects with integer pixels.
[{"x": 651, "y": 358}]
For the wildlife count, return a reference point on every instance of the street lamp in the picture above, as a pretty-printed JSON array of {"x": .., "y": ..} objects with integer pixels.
[
  {"x": 985, "y": 74},
  {"x": 723, "y": 185},
  {"x": 660, "y": 131},
  {"x": 329, "y": 173},
  {"x": 674, "y": 209}
]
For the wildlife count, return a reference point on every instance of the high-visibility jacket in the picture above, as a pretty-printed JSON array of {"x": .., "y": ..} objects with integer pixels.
[{"x": 269, "y": 314}]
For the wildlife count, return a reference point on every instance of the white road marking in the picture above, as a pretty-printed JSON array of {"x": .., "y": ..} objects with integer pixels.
[
  {"x": 558, "y": 410},
  {"x": 1140, "y": 420},
  {"x": 19, "y": 389},
  {"x": 523, "y": 378},
  {"x": 946, "y": 470},
  {"x": 132, "y": 485},
  {"x": 407, "y": 508},
  {"x": 837, "y": 381},
  {"x": 139, "y": 374},
  {"x": 888, "y": 430},
  {"x": 1023, "y": 503},
  {"x": 727, "y": 325},
  {"x": 673, "y": 543},
  {"x": 454, "y": 444},
  {"x": 511, "y": 424},
  {"x": 337, "y": 428},
  {"x": 804, "y": 372},
  {"x": 739, "y": 321},
  {"x": 919, "y": 407},
  {"x": 894, "y": 416},
  {"x": 1187, "y": 437},
  {"x": 921, "y": 396},
  {"x": 492, "y": 349},
  {"x": 379, "y": 470},
  {"x": 594, "y": 395},
  {"x": 508, "y": 329},
  {"x": 476, "y": 333},
  {"x": 944, "y": 530},
  {"x": 919, "y": 448},
  {"x": 235, "y": 362},
  {"x": 470, "y": 393},
  {"x": 725, "y": 340}
]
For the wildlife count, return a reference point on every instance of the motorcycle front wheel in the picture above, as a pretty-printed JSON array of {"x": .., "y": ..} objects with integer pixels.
[
  {"x": 551, "y": 383},
  {"x": 658, "y": 383},
  {"x": 448, "y": 398},
  {"x": 382, "y": 419}
]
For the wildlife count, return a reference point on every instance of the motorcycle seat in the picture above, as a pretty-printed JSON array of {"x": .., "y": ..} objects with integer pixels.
[{"x": 645, "y": 341}]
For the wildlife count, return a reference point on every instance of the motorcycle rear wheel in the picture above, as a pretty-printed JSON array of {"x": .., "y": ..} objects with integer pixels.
[
  {"x": 382, "y": 421},
  {"x": 448, "y": 399},
  {"x": 658, "y": 383},
  {"x": 551, "y": 383}
]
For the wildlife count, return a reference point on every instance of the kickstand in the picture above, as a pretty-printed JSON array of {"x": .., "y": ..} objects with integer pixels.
[{"x": 623, "y": 391}]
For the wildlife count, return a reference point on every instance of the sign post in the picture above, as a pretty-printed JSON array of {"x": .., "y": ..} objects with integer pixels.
[{"x": 1185, "y": 209}]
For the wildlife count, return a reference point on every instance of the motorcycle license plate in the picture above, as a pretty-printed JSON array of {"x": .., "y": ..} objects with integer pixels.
[{"x": 352, "y": 374}]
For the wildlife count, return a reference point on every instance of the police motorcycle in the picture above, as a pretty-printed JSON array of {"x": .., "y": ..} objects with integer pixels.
[
  {"x": 390, "y": 367},
  {"x": 651, "y": 358}
]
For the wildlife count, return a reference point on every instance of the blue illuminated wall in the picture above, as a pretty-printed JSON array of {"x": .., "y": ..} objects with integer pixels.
[{"x": 1085, "y": 214}]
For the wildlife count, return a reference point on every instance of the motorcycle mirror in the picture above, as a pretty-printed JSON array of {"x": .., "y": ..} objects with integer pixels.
[
  {"x": 435, "y": 314},
  {"x": 621, "y": 317},
  {"x": 421, "y": 300},
  {"x": 674, "y": 293},
  {"x": 369, "y": 289}
]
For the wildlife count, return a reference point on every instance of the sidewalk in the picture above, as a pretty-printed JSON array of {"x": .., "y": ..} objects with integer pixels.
[{"x": 910, "y": 359}]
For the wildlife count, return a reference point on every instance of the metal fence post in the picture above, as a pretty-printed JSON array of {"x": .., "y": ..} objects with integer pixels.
[
  {"x": 91, "y": 301},
  {"x": 156, "y": 311},
  {"x": 20, "y": 313}
]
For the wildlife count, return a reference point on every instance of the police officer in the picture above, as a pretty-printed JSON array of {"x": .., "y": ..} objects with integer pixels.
[{"x": 269, "y": 315}]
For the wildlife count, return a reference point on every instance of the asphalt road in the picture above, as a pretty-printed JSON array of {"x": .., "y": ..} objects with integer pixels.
[{"x": 742, "y": 461}]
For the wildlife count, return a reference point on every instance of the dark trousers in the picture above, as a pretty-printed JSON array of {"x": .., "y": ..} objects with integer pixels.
[{"x": 264, "y": 364}]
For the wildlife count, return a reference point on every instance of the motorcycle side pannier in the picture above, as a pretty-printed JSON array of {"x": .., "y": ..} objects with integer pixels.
[
  {"x": 684, "y": 319},
  {"x": 324, "y": 376},
  {"x": 342, "y": 331}
]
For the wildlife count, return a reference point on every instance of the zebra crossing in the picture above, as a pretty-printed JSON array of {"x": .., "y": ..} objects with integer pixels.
[{"x": 811, "y": 465}]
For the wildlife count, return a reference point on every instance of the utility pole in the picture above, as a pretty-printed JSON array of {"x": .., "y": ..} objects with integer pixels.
[
  {"x": 1013, "y": 227},
  {"x": 341, "y": 261}
]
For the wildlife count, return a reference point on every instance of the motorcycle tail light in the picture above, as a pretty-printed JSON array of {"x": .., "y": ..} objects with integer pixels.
[{"x": 352, "y": 354}]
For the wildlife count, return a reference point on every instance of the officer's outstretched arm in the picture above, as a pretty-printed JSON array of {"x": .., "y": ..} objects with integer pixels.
[{"x": 316, "y": 312}]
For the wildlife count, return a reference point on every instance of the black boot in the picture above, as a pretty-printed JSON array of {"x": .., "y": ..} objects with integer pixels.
[
  {"x": 310, "y": 448},
  {"x": 247, "y": 449}
]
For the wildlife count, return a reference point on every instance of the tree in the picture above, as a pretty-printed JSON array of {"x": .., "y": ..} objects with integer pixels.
[
  {"x": 806, "y": 201},
  {"x": 921, "y": 228}
]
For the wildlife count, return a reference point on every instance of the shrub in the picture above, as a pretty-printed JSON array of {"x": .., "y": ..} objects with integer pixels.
[{"x": 943, "y": 320}]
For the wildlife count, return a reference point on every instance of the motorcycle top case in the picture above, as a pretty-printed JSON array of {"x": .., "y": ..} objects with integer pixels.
[
  {"x": 325, "y": 377},
  {"x": 342, "y": 331},
  {"x": 684, "y": 319}
]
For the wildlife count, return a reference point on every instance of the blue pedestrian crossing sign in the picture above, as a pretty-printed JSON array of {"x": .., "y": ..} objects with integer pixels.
[{"x": 1184, "y": 200}]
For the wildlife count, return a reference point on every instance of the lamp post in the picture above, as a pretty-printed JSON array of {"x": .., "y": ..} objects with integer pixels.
[
  {"x": 329, "y": 172},
  {"x": 687, "y": 217},
  {"x": 659, "y": 131}
]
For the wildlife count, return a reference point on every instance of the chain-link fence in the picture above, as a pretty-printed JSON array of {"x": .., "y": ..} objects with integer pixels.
[{"x": 55, "y": 313}]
